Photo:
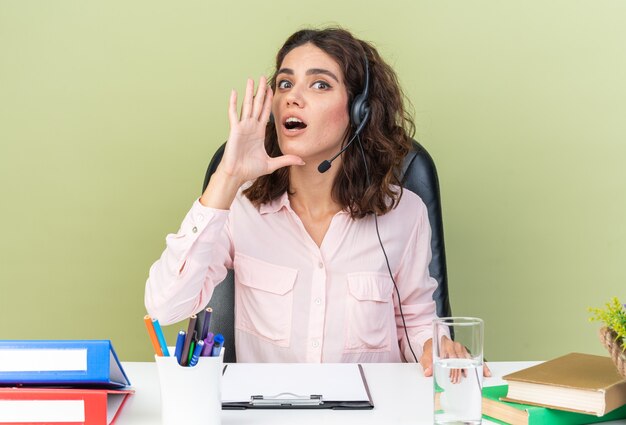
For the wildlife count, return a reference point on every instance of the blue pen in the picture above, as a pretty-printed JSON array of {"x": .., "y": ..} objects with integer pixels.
[
  {"x": 160, "y": 337},
  {"x": 179, "y": 345},
  {"x": 196, "y": 353},
  {"x": 208, "y": 345},
  {"x": 218, "y": 342}
]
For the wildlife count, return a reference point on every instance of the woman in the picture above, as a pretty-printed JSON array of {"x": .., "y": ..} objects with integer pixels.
[{"x": 312, "y": 283}]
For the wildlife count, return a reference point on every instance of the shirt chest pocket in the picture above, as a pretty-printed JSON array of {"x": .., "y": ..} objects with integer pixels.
[
  {"x": 264, "y": 299},
  {"x": 370, "y": 315}
]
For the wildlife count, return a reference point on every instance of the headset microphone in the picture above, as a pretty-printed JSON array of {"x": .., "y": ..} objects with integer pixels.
[{"x": 325, "y": 165}]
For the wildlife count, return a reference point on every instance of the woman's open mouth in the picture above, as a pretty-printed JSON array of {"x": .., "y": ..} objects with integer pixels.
[{"x": 294, "y": 124}]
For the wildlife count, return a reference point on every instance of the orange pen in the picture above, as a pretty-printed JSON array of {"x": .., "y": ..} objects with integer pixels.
[{"x": 155, "y": 342}]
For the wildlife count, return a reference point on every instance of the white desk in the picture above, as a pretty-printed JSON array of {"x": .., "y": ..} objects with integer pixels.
[{"x": 401, "y": 395}]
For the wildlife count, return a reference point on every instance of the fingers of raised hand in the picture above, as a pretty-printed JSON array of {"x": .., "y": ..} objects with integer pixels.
[
  {"x": 267, "y": 105},
  {"x": 260, "y": 98},
  {"x": 283, "y": 161},
  {"x": 232, "y": 108},
  {"x": 255, "y": 109},
  {"x": 246, "y": 107},
  {"x": 256, "y": 106}
]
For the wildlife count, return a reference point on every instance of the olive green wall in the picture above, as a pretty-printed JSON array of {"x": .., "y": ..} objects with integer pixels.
[{"x": 110, "y": 111}]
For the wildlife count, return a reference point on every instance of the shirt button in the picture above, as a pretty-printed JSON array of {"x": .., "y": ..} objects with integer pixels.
[
  {"x": 315, "y": 344},
  {"x": 195, "y": 229},
  {"x": 318, "y": 301},
  {"x": 320, "y": 265}
]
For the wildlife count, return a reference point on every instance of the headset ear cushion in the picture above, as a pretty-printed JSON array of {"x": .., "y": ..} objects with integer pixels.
[{"x": 359, "y": 110}]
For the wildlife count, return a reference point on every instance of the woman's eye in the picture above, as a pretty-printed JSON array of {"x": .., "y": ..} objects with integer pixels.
[
  {"x": 284, "y": 84},
  {"x": 322, "y": 85}
]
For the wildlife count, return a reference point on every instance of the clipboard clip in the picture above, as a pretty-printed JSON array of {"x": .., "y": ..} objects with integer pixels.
[{"x": 286, "y": 399}]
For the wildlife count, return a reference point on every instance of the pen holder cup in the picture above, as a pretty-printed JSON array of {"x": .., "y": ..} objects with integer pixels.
[{"x": 191, "y": 395}]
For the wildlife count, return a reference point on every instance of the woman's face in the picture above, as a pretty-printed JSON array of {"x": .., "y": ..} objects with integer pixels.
[{"x": 310, "y": 104}]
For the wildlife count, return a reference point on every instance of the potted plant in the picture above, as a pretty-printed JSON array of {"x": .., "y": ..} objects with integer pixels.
[{"x": 613, "y": 331}]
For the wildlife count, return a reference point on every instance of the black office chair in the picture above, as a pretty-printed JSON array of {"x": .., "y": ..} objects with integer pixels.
[{"x": 419, "y": 175}]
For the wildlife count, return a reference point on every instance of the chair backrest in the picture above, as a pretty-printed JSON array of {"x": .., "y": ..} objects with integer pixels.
[{"x": 419, "y": 175}]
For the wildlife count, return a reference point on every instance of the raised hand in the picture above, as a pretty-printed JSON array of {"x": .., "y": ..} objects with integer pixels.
[{"x": 245, "y": 157}]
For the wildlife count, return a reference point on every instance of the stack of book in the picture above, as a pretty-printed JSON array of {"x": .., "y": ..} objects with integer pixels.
[
  {"x": 45, "y": 382},
  {"x": 571, "y": 389}
]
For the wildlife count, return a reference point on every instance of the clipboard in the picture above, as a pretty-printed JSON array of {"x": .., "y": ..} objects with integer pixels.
[{"x": 295, "y": 386}]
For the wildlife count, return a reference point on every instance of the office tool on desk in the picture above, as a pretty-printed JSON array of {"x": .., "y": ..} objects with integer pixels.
[
  {"x": 190, "y": 395},
  {"x": 152, "y": 334},
  {"x": 208, "y": 345},
  {"x": 196, "y": 353},
  {"x": 526, "y": 414},
  {"x": 192, "y": 348},
  {"x": 578, "y": 382},
  {"x": 61, "y": 405},
  {"x": 188, "y": 339},
  {"x": 180, "y": 341},
  {"x": 295, "y": 386},
  {"x": 160, "y": 337},
  {"x": 206, "y": 322},
  {"x": 218, "y": 343},
  {"x": 62, "y": 362}
]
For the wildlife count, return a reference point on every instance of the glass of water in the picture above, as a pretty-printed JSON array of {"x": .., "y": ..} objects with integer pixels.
[{"x": 458, "y": 370}]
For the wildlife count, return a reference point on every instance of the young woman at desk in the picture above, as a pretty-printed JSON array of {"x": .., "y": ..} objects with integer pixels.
[{"x": 312, "y": 281}]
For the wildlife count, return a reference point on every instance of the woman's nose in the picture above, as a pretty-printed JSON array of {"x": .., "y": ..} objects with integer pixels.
[{"x": 294, "y": 98}]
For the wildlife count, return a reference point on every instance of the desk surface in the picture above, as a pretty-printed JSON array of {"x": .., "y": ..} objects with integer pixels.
[{"x": 401, "y": 394}]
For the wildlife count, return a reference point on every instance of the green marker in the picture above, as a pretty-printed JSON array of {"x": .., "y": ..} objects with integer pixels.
[{"x": 192, "y": 346}]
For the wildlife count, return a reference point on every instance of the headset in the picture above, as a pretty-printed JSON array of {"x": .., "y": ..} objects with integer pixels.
[{"x": 360, "y": 110}]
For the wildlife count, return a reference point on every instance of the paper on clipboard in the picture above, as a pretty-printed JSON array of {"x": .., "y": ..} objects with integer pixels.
[{"x": 339, "y": 384}]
